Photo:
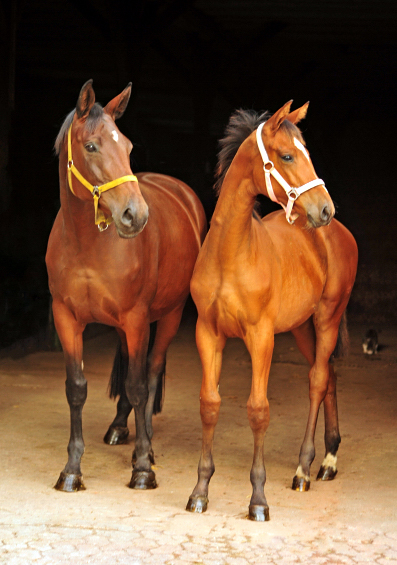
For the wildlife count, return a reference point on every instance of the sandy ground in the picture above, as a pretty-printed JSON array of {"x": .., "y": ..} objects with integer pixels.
[{"x": 352, "y": 519}]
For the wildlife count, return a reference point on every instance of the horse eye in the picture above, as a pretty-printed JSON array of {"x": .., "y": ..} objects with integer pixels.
[
  {"x": 90, "y": 147},
  {"x": 287, "y": 158}
]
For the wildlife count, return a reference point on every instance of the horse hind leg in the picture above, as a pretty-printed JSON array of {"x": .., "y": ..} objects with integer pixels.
[
  {"x": 162, "y": 334},
  {"x": 332, "y": 437},
  {"x": 118, "y": 430},
  {"x": 322, "y": 387}
]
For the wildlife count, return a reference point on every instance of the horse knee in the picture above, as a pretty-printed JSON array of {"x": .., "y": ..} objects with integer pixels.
[
  {"x": 76, "y": 392},
  {"x": 258, "y": 415},
  {"x": 209, "y": 410},
  {"x": 137, "y": 393}
]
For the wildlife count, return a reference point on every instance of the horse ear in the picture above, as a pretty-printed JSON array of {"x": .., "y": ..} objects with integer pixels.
[
  {"x": 277, "y": 119},
  {"x": 86, "y": 100},
  {"x": 116, "y": 107},
  {"x": 298, "y": 115}
]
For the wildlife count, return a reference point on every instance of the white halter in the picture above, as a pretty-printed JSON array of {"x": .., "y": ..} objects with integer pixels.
[{"x": 292, "y": 193}]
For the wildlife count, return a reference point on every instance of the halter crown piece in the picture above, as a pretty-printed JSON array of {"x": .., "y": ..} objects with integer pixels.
[
  {"x": 292, "y": 193},
  {"x": 96, "y": 191}
]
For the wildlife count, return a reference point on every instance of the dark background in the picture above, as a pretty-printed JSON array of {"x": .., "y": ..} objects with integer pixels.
[{"x": 192, "y": 62}]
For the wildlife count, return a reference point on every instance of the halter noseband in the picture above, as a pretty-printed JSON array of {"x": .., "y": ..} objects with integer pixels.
[
  {"x": 96, "y": 191},
  {"x": 292, "y": 193}
]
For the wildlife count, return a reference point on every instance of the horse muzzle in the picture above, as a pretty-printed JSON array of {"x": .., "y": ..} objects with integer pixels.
[
  {"x": 132, "y": 220},
  {"x": 320, "y": 215}
]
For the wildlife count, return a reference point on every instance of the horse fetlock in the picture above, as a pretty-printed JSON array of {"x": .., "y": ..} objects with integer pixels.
[{"x": 328, "y": 468}]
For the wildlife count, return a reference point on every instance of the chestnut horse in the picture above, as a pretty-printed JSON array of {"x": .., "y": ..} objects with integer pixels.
[
  {"x": 257, "y": 277},
  {"x": 129, "y": 276}
]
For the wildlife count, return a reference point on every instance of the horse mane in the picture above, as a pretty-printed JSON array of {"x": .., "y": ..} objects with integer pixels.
[
  {"x": 91, "y": 123},
  {"x": 241, "y": 124}
]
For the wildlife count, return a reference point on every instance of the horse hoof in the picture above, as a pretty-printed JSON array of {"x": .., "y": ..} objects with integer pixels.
[
  {"x": 143, "y": 480},
  {"x": 326, "y": 473},
  {"x": 116, "y": 435},
  {"x": 300, "y": 484},
  {"x": 68, "y": 482},
  {"x": 197, "y": 504},
  {"x": 258, "y": 513}
]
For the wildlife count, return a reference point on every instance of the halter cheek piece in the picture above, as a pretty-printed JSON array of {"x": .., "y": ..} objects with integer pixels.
[
  {"x": 292, "y": 193},
  {"x": 96, "y": 191}
]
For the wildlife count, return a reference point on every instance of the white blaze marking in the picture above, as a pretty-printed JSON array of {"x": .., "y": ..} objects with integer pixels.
[
  {"x": 300, "y": 146},
  {"x": 115, "y": 135}
]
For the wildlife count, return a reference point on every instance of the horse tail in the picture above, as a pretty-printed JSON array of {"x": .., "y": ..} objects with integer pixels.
[
  {"x": 119, "y": 373},
  {"x": 160, "y": 387},
  {"x": 159, "y": 396},
  {"x": 343, "y": 342}
]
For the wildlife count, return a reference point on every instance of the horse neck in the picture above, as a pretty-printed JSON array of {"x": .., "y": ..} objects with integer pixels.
[{"x": 233, "y": 216}]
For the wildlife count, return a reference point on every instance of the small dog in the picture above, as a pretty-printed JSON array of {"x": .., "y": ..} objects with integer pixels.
[{"x": 370, "y": 342}]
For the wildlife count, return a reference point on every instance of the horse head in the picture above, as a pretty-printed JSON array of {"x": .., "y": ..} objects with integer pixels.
[
  {"x": 98, "y": 160},
  {"x": 289, "y": 173}
]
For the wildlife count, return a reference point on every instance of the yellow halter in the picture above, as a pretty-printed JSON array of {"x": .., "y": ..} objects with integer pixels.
[{"x": 96, "y": 191}]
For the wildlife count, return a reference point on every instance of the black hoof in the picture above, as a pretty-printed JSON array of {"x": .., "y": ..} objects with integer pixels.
[
  {"x": 116, "y": 436},
  {"x": 326, "y": 474},
  {"x": 197, "y": 504},
  {"x": 258, "y": 513},
  {"x": 300, "y": 484},
  {"x": 143, "y": 480},
  {"x": 69, "y": 482}
]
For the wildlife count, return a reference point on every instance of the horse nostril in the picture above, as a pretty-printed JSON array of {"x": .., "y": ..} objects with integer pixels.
[
  {"x": 127, "y": 218},
  {"x": 325, "y": 213}
]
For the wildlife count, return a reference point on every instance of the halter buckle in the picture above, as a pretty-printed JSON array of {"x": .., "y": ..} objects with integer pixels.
[
  {"x": 293, "y": 194},
  {"x": 70, "y": 163},
  {"x": 96, "y": 191},
  {"x": 101, "y": 229},
  {"x": 271, "y": 167}
]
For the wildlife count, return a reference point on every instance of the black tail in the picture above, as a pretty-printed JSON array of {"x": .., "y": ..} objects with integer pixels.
[
  {"x": 118, "y": 374},
  {"x": 158, "y": 399},
  {"x": 343, "y": 342},
  {"x": 120, "y": 368}
]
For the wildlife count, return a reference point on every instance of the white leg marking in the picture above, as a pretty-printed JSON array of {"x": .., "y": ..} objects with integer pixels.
[
  {"x": 301, "y": 475},
  {"x": 330, "y": 461}
]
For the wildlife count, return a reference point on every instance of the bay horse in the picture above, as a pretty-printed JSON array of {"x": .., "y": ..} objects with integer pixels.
[
  {"x": 131, "y": 273},
  {"x": 257, "y": 277}
]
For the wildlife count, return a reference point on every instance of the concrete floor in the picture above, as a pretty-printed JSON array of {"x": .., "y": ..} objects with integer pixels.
[{"x": 352, "y": 520}]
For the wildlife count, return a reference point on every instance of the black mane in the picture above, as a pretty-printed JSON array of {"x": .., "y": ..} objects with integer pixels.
[{"x": 241, "y": 124}]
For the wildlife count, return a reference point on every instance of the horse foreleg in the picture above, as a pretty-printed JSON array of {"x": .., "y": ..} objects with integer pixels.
[
  {"x": 118, "y": 430},
  {"x": 136, "y": 387},
  {"x": 210, "y": 349},
  {"x": 320, "y": 381},
  {"x": 166, "y": 329},
  {"x": 71, "y": 336},
  {"x": 260, "y": 345}
]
